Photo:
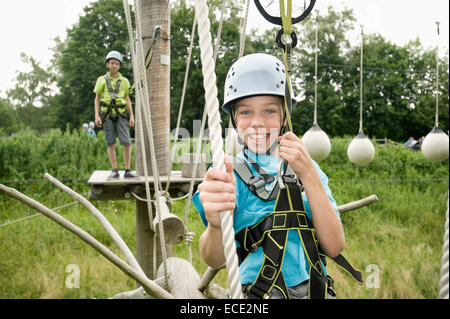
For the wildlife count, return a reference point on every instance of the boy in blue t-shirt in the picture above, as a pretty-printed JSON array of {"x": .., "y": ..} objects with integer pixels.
[{"x": 254, "y": 98}]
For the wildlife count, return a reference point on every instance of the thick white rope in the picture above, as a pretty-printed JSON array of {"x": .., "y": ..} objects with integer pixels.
[
  {"x": 197, "y": 158},
  {"x": 137, "y": 79},
  {"x": 212, "y": 106},
  {"x": 443, "y": 282}
]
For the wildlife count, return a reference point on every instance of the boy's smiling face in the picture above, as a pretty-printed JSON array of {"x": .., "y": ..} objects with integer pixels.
[
  {"x": 258, "y": 120},
  {"x": 113, "y": 66}
]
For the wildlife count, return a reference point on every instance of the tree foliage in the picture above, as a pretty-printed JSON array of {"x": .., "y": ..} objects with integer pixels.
[
  {"x": 182, "y": 16},
  {"x": 395, "y": 77},
  {"x": 33, "y": 96},
  {"x": 100, "y": 29}
]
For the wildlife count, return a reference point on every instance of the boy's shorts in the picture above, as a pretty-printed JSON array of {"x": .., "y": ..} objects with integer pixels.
[
  {"x": 120, "y": 127},
  {"x": 296, "y": 292}
]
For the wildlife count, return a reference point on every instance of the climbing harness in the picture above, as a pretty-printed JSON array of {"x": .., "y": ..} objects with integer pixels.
[
  {"x": 112, "y": 110},
  {"x": 256, "y": 184},
  {"x": 271, "y": 235}
]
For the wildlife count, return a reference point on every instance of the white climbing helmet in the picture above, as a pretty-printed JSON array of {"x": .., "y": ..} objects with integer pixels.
[
  {"x": 254, "y": 74},
  {"x": 114, "y": 55}
]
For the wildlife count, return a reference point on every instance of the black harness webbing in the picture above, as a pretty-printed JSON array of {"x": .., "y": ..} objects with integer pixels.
[
  {"x": 112, "y": 92},
  {"x": 257, "y": 184},
  {"x": 271, "y": 235}
]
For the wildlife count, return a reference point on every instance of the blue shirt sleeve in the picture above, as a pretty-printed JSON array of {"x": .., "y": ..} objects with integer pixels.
[
  {"x": 198, "y": 205},
  {"x": 324, "y": 180}
]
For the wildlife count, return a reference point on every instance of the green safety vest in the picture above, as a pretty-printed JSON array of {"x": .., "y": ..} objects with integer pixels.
[{"x": 112, "y": 109}]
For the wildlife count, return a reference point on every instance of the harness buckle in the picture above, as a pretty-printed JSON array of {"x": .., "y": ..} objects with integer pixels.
[
  {"x": 290, "y": 179},
  {"x": 279, "y": 175},
  {"x": 250, "y": 240},
  {"x": 255, "y": 183},
  {"x": 317, "y": 267}
]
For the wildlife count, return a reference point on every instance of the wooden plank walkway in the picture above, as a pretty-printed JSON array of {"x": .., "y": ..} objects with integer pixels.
[{"x": 100, "y": 177}]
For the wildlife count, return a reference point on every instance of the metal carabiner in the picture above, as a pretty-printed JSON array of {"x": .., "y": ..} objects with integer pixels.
[{"x": 281, "y": 44}]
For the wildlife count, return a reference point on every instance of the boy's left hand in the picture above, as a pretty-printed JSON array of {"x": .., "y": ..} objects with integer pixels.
[
  {"x": 294, "y": 152},
  {"x": 131, "y": 121}
]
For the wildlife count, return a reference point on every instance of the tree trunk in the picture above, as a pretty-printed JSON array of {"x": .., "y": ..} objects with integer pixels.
[{"x": 154, "y": 13}]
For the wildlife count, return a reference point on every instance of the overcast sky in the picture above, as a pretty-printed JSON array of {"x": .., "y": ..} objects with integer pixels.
[{"x": 31, "y": 25}]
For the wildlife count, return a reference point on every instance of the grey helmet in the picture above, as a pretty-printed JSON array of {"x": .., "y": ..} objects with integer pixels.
[
  {"x": 114, "y": 55},
  {"x": 254, "y": 74}
]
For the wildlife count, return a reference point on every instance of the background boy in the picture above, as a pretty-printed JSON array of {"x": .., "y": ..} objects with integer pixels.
[{"x": 114, "y": 112}]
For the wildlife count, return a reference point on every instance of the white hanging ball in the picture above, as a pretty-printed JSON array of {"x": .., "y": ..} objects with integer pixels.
[
  {"x": 317, "y": 143},
  {"x": 361, "y": 150},
  {"x": 435, "y": 145},
  {"x": 232, "y": 144}
]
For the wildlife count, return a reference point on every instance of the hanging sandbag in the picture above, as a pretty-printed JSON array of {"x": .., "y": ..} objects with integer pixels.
[
  {"x": 317, "y": 143},
  {"x": 315, "y": 139},
  {"x": 435, "y": 145},
  {"x": 361, "y": 150}
]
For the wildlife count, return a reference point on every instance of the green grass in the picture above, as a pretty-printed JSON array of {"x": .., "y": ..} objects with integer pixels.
[{"x": 402, "y": 234}]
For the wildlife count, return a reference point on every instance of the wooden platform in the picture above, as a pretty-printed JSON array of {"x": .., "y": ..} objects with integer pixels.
[
  {"x": 101, "y": 178},
  {"x": 104, "y": 188}
]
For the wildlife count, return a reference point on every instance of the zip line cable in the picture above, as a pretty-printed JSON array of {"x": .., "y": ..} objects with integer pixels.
[
  {"x": 39, "y": 180},
  {"x": 38, "y": 214}
]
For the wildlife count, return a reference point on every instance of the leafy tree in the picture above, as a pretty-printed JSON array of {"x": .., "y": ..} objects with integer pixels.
[
  {"x": 33, "y": 95},
  {"x": 8, "y": 119},
  {"x": 394, "y": 76},
  {"x": 332, "y": 48},
  {"x": 100, "y": 29},
  {"x": 182, "y": 15},
  {"x": 421, "y": 118}
]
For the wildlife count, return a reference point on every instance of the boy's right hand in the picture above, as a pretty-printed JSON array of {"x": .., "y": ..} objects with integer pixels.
[
  {"x": 98, "y": 121},
  {"x": 217, "y": 192}
]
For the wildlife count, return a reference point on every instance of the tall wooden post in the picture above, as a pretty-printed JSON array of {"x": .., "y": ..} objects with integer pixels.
[{"x": 154, "y": 13}]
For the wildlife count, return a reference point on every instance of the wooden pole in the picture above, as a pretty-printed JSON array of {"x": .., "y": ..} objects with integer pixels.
[
  {"x": 154, "y": 13},
  {"x": 151, "y": 288}
]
